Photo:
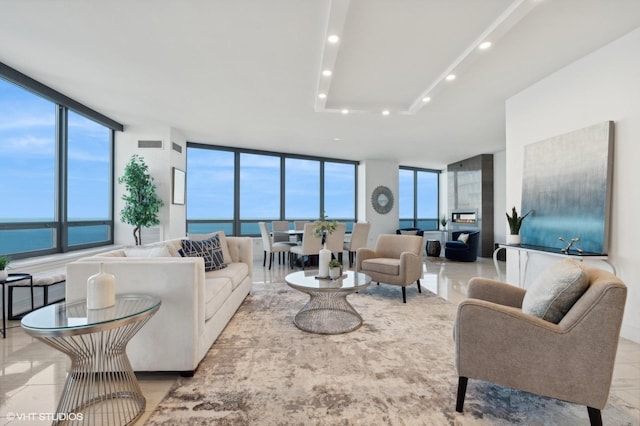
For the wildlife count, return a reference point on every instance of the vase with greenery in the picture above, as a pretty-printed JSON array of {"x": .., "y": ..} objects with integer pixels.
[
  {"x": 4, "y": 262},
  {"x": 335, "y": 269},
  {"x": 443, "y": 222},
  {"x": 515, "y": 222},
  {"x": 142, "y": 203}
]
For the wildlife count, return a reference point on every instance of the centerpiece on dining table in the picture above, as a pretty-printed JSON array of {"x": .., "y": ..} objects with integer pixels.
[{"x": 321, "y": 229}]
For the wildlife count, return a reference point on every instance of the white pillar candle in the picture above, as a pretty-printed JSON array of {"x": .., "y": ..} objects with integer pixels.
[{"x": 101, "y": 290}]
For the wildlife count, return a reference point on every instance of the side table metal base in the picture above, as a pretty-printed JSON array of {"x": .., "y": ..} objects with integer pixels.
[
  {"x": 101, "y": 387},
  {"x": 327, "y": 313}
]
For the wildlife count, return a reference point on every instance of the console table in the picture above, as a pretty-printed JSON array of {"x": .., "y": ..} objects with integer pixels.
[
  {"x": 551, "y": 251},
  {"x": 101, "y": 387}
]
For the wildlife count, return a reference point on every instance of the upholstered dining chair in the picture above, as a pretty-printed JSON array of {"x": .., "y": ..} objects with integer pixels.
[
  {"x": 359, "y": 236},
  {"x": 281, "y": 237},
  {"x": 557, "y": 339},
  {"x": 396, "y": 260},
  {"x": 335, "y": 240},
  {"x": 310, "y": 246},
  {"x": 269, "y": 246}
]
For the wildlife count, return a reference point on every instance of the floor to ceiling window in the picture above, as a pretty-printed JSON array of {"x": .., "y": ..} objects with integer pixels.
[
  {"x": 418, "y": 198},
  {"x": 234, "y": 189},
  {"x": 57, "y": 170}
]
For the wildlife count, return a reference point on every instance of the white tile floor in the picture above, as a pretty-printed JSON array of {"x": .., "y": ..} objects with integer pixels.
[{"x": 32, "y": 374}]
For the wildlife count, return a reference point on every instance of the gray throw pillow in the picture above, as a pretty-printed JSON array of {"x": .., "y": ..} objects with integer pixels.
[
  {"x": 209, "y": 250},
  {"x": 555, "y": 291}
]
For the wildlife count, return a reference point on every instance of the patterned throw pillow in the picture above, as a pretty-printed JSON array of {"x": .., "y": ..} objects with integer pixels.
[{"x": 209, "y": 249}]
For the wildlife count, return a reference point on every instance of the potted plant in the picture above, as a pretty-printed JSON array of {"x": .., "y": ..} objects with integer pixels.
[
  {"x": 443, "y": 222},
  {"x": 142, "y": 204},
  {"x": 4, "y": 262},
  {"x": 515, "y": 222},
  {"x": 321, "y": 228},
  {"x": 335, "y": 269}
]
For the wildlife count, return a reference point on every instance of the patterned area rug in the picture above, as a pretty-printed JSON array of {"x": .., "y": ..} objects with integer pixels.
[{"x": 397, "y": 369}]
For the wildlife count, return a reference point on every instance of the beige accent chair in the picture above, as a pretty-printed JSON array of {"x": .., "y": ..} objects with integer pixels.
[
  {"x": 572, "y": 360},
  {"x": 269, "y": 246},
  {"x": 282, "y": 236},
  {"x": 396, "y": 260},
  {"x": 311, "y": 244},
  {"x": 359, "y": 236}
]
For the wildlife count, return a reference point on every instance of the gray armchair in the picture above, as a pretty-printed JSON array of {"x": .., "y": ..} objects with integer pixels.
[
  {"x": 572, "y": 360},
  {"x": 396, "y": 260}
]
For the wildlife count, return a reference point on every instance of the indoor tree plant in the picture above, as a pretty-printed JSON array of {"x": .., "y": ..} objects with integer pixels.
[
  {"x": 515, "y": 222},
  {"x": 142, "y": 203}
]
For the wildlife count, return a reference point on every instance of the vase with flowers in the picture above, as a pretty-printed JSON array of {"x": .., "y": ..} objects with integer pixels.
[{"x": 321, "y": 229}]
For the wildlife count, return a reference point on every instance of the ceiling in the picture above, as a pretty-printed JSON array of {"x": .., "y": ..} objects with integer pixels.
[{"x": 247, "y": 73}]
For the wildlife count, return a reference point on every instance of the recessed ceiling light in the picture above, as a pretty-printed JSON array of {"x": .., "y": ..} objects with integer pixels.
[
  {"x": 386, "y": 112},
  {"x": 333, "y": 39},
  {"x": 322, "y": 95},
  {"x": 337, "y": 139},
  {"x": 450, "y": 77},
  {"x": 344, "y": 111},
  {"x": 484, "y": 45},
  {"x": 326, "y": 73},
  {"x": 426, "y": 99}
]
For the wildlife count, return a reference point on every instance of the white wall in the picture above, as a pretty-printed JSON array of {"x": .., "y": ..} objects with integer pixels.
[
  {"x": 604, "y": 85},
  {"x": 371, "y": 174},
  {"x": 160, "y": 162},
  {"x": 499, "y": 196}
]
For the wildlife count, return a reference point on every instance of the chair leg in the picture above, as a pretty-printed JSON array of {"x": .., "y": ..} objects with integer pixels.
[
  {"x": 404, "y": 294},
  {"x": 462, "y": 390},
  {"x": 419, "y": 289},
  {"x": 264, "y": 259},
  {"x": 270, "y": 259},
  {"x": 595, "y": 417}
]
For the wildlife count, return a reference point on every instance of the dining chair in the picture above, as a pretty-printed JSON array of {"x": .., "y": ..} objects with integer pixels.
[
  {"x": 359, "y": 236},
  {"x": 335, "y": 240},
  {"x": 269, "y": 246},
  {"x": 281, "y": 237},
  {"x": 310, "y": 246}
]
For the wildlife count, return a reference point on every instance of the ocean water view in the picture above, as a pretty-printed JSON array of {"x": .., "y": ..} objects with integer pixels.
[{"x": 28, "y": 240}]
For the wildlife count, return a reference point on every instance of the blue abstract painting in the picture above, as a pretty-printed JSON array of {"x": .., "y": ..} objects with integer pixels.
[{"x": 567, "y": 187}]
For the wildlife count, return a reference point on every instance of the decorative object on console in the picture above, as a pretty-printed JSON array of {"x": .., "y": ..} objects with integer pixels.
[
  {"x": 142, "y": 203},
  {"x": 570, "y": 245},
  {"x": 515, "y": 222},
  {"x": 443, "y": 223},
  {"x": 382, "y": 199},
  {"x": 101, "y": 290},
  {"x": 4, "y": 262}
]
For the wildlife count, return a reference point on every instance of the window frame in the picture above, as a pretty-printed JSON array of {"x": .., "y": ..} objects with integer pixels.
[{"x": 415, "y": 220}]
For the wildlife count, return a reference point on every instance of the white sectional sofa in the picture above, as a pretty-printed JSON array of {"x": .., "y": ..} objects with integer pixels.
[{"x": 196, "y": 306}]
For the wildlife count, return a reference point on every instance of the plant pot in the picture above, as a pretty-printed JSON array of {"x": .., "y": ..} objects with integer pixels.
[
  {"x": 335, "y": 272},
  {"x": 3, "y": 275},
  {"x": 513, "y": 239}
]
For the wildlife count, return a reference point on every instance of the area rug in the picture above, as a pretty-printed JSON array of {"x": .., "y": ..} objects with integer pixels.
[{"x": 397, "y": 369}]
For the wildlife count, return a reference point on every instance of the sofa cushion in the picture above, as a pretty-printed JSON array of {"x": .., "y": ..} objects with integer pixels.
[
  {"x": 235, "y": 272},
  {"x": 216, "y": 292},
  {"x": 456, "y": 245},
  {"x": 555, "y": 291},
  {"x": 223, "y": 243},
  {"x": 148, "y": 251},
  {"x": 208, "y": 249},
  {"x": 384, "y": 265}
]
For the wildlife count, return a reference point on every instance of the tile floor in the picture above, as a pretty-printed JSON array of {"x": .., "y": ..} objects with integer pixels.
[{"x": 32, "y": 374}]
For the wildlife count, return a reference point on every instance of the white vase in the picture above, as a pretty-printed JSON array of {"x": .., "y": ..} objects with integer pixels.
[
  {"x": 324, "y": 257},
  {"x": 4, "y": 274},
  {"x": 335, "y": 272},
  {"x": 513, "y": 239},
  {"x": 101, "y": 290}
]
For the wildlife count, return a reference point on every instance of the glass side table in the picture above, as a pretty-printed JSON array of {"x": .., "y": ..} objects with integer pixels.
[{"x": 101, "y": 387}]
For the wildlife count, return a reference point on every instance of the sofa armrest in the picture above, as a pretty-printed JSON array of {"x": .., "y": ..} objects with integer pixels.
[{"x": 496, "y": 292}]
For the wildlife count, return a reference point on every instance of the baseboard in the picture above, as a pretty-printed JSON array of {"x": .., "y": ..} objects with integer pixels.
[{"x": 630, "y": 332}]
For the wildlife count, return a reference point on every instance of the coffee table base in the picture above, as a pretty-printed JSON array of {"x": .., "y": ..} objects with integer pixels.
[{"x": 327, "y": 313}]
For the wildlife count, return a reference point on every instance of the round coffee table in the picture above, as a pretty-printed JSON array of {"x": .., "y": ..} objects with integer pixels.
[{"x": 328, "y": 311}]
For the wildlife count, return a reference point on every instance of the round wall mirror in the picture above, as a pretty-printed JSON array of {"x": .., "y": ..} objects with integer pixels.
[{"x": 382, "y": 200}]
